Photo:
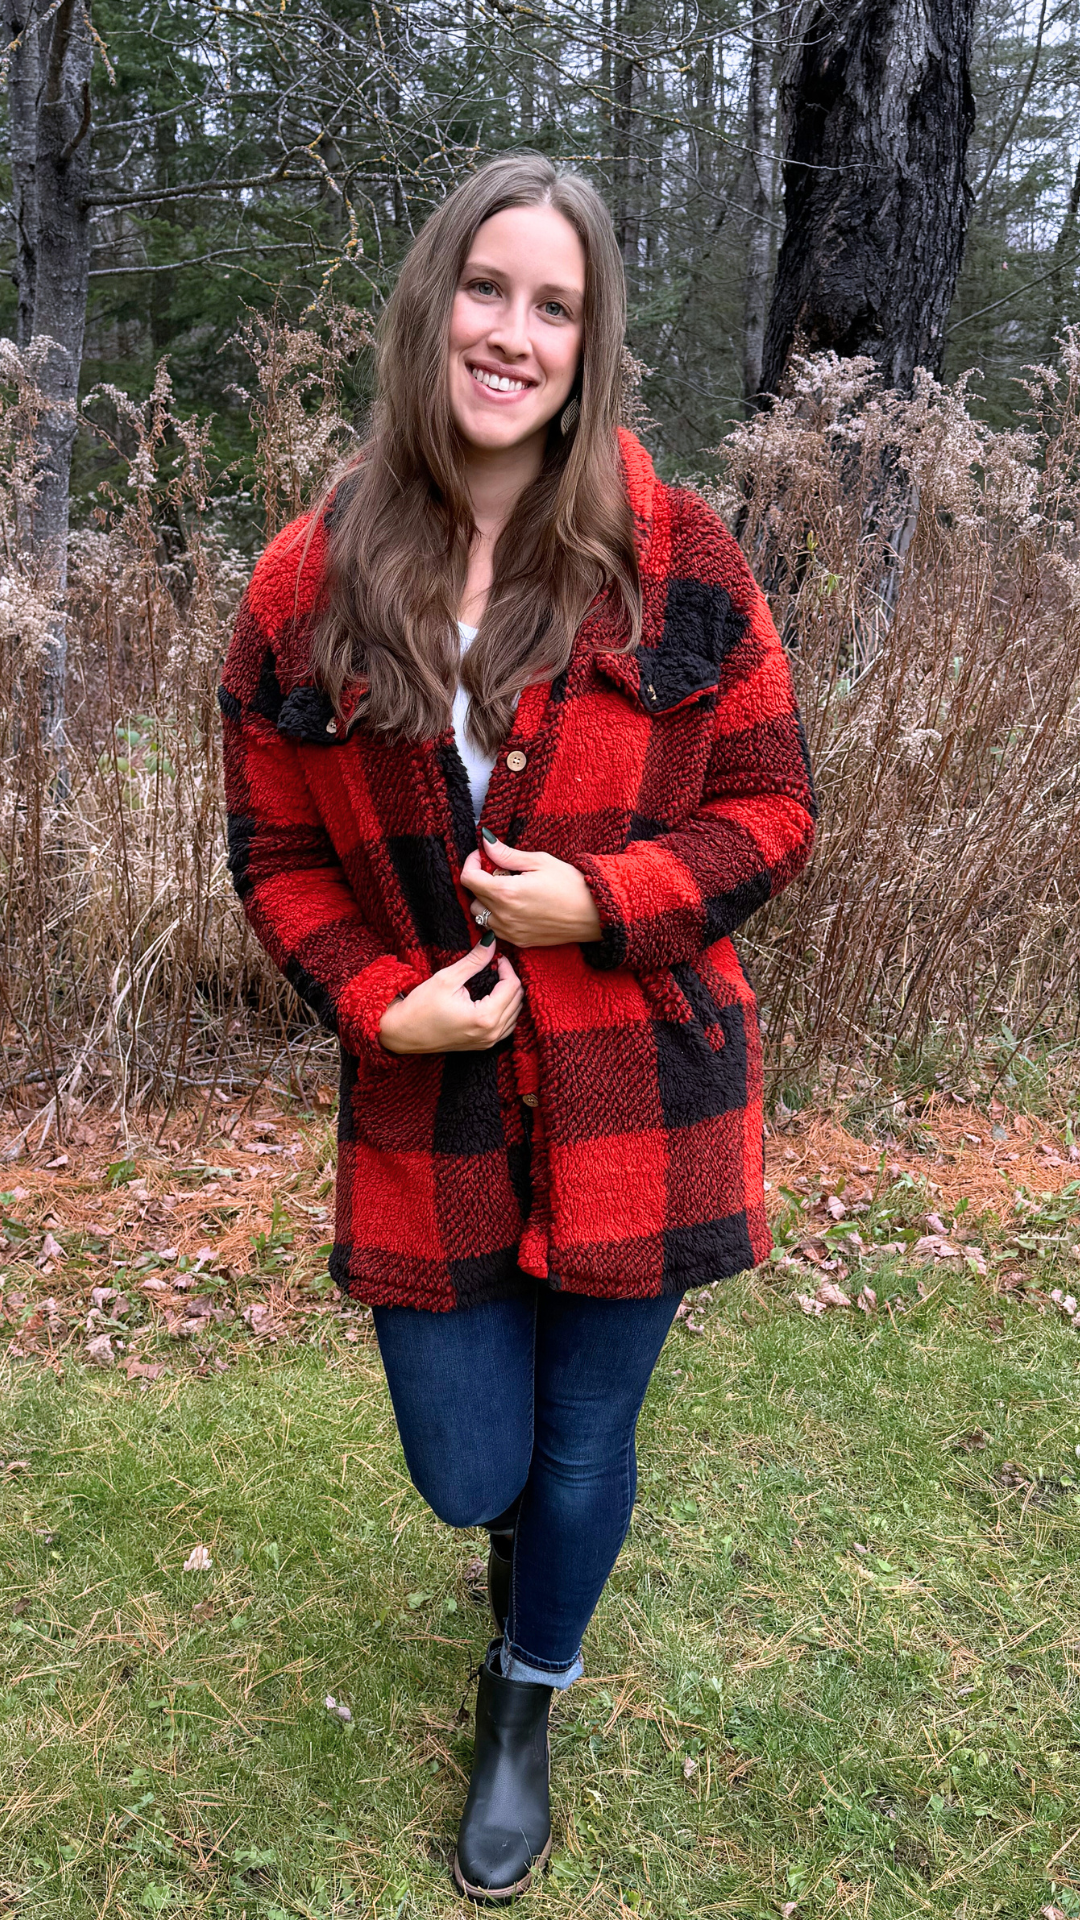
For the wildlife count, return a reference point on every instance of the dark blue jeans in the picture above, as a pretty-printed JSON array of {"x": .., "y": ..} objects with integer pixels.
[{"x": 523, "y": 1411}]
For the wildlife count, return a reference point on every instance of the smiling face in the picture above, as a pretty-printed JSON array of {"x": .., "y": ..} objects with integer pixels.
[{"x": 516, "y": 327}]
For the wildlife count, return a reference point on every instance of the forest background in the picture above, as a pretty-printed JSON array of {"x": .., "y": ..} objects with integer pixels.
[{"x": 230, "y": 190}]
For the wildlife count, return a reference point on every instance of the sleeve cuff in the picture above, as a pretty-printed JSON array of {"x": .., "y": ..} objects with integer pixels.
[
  {"x": 613, "y": 945},
  {"x": 361, "y": 1006}
]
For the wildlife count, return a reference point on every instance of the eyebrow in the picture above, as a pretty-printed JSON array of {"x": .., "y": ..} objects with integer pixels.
[{"x": 474, "y": 268}]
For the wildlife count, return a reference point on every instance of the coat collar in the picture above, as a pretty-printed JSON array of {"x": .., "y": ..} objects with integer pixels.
[
  {"x": 641, "y": 486},
  {"x": 307, "y": 713}
]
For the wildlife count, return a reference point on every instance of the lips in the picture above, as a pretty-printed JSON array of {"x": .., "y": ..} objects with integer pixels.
[{"x": 498, "y": 380}]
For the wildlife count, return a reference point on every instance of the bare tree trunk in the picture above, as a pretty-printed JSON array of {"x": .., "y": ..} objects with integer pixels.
[
  {"x": 22, "y": 90},
  {"x": 879, "y": 111},
  {"x": 1064, "y": 248},
  {"x": 759, "y": 208},
  {"x": 627, "y": 91},
  {"x": 49, "y": 105}
]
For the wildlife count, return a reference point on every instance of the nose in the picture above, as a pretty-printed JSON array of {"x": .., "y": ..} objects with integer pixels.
[{"x": 509, "y": 330}]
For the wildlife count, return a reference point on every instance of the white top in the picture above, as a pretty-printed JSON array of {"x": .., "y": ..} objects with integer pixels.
[{"x": 477, "y": 765}]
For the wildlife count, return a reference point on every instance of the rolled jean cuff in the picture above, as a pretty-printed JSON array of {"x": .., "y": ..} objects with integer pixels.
[{"x": 517, "y": 1666}]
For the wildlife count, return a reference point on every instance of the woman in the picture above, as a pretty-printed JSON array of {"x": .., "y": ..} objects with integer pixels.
[{"x": 507, "y": 684}]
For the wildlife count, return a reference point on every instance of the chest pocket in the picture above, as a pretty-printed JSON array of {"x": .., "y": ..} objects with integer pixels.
[{"x": 701, "y": 627}]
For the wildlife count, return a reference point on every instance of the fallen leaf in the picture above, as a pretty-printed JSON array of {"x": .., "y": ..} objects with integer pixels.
[
  {"x": 154, "y": 1285},
  {"x": 789, "y": 1908},
  {"x": 99, "y": 1350},
  {"x": 936, "y": 1224},
  {"x": 1053, "y": 1913},
  {"x": 831, "y": 1295},
  {"x": 198, "y": 1560},
  {"x": 808, "y": 1305},
  {"x": 324, "y": 1096},
  {"x": 867, "y": 1300},
  {"x": 932, "y": 1246},
  {"x": 101, "y": 1296},
  {"x": 50, "y": 1250},
  {"x": 972, "y": 1442},
  {"x": 689, "y": 1768},
  {"x": 835, "y": 1207},
  {"x": 60, "y": 1161},
  {"x": 143, "y": 1369}
]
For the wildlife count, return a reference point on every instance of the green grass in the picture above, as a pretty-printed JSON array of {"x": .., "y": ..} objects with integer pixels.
[{"x": 838, "y": 1663}]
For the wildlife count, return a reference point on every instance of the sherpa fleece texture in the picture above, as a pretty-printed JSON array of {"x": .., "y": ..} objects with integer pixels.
[{"x": 677, "y": 780}]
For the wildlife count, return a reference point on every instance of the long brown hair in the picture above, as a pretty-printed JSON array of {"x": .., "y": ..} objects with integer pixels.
[{"x": 401, "y": 522}]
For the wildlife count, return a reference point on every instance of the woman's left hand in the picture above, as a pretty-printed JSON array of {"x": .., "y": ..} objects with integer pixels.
[{"x": 533, "y": 900}]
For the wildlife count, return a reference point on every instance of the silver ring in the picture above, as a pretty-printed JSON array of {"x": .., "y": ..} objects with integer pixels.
[{"x": 483, "y": 917}]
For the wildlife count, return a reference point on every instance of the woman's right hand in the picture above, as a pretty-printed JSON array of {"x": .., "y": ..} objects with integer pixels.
[{"x": 438, "y": 1016}]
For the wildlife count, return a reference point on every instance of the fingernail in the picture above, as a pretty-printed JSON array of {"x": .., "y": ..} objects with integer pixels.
[
  {"x": 487, "y": 938},
  {"x": 487, "y": 833}
]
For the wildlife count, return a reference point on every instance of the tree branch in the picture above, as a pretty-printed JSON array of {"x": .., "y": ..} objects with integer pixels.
[
  {"x": 1057, "y": 267},
  {"x": 201, "y": 259},
  {"x": 155, "y": 194}
]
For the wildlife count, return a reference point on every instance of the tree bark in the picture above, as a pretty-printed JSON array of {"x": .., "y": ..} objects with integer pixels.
[
  {"x": 759, "y": 207},
  {"x": 879, "y": 110},
  {"x": 49, "y": 104}
]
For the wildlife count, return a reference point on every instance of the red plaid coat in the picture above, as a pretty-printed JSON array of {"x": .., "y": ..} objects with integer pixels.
[{"x": 614, "y": 1146}]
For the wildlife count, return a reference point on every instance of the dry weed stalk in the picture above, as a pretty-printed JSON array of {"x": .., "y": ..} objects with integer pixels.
[{"x": 946, "y": 745}]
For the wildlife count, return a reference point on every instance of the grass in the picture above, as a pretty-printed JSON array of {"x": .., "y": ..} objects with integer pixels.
[{"x": 838, "y": 1664}]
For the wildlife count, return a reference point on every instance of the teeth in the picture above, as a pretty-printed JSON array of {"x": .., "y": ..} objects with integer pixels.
[{"x": 499, "y": 382}]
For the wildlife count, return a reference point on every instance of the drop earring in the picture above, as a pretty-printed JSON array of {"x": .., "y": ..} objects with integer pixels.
[{"x": 569, "y": 416}]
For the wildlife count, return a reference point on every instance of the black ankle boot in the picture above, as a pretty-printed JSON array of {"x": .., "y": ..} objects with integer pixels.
[
  {"x": 505, "y": 1831},
  {"x": 500, "y": 1562}
]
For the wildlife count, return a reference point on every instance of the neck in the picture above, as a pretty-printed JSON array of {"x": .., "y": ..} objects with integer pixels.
[{"x": 497, "y": 476}]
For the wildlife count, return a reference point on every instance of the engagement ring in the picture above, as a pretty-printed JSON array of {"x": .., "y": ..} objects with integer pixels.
[{"x": 483, "y": 917}]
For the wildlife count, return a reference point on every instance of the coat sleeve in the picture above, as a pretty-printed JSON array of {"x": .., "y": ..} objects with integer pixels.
[
  {"x": 664, "y": 900},
  {"x": 281, "y": 858}
]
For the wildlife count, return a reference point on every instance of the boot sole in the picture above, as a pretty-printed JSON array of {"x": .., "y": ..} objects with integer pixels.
[{"x": 482, "y": 1894}]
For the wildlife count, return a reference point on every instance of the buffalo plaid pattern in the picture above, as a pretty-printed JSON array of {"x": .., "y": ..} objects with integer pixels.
[{"x": 614, "y": 1145}]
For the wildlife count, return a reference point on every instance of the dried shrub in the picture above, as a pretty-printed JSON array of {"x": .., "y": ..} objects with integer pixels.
[{"x": 946, "y": 743}]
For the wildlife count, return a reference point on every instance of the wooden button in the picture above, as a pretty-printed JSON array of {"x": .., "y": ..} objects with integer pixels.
[
  {"x": 530, "y": 1100},
  {"x": 331, "y": 726},
  {"x": 517, "y": 761}
]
